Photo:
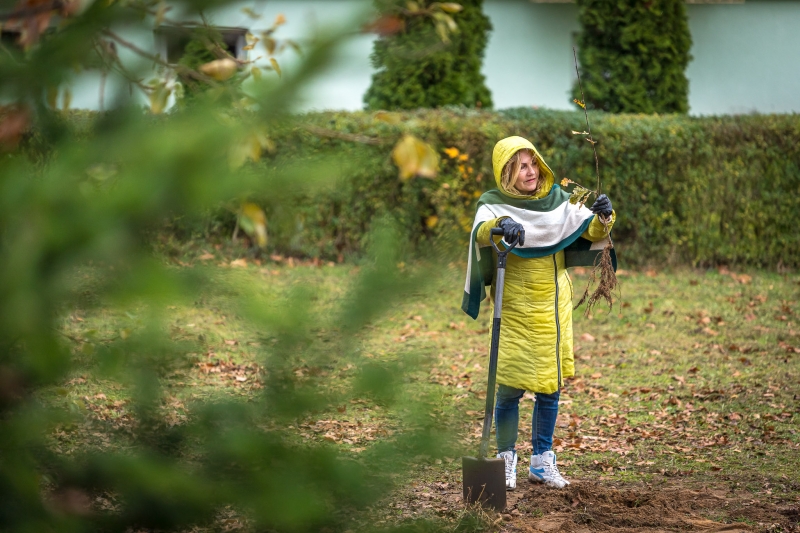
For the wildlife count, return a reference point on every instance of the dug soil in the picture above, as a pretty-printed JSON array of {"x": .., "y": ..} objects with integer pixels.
[{"x": 591, "y": 505}]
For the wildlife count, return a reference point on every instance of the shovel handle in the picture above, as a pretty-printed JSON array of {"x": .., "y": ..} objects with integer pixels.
[
  {"x": 513, "y": 244},
  {"x": 495, "y": 347}
]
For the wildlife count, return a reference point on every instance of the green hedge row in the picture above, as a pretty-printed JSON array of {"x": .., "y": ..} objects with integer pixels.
[
  {"x": 701, "y": 191},
  {"x": 687, "y": 190}
]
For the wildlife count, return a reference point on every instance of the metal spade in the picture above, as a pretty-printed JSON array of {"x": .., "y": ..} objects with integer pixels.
[{"x": 485, "y": 477}]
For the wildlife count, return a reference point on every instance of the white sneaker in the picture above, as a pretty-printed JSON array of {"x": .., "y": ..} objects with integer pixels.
[
  {"x": 510, "y": 458},
  {"x": 544, "y": 470}
]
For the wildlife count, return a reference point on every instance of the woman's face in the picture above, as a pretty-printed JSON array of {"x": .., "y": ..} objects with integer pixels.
[{"x": 528, "y": 177}]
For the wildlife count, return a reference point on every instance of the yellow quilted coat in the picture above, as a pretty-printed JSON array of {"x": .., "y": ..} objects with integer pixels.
[{"x": 535, "y": 350}]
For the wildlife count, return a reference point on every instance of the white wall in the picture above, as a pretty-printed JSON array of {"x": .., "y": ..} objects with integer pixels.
[
  {"x": 745, "y": 55},
  {"x": 746, "y": 58},
  {"x": 529, "y": 59}
]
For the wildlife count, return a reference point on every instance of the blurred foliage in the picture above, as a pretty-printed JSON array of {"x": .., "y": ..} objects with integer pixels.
[
  {"x": 430, "y": 54},
  {"x": 687, "y": 190},
  {"x": 79, "y": 195},
  {"x": 633, "y": 56}
]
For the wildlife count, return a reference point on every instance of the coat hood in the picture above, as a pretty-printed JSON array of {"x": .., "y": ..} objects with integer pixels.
[{"x": 504, "y": 150}]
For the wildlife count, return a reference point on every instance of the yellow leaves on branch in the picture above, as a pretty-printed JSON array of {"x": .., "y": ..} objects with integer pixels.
[
  {"x": 581, "y": 104},
  {"x": 220, "y": 69},
  {"x": 414, "y": 157}
]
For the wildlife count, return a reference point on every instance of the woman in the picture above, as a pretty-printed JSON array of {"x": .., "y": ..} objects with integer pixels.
[{"x": 535, "y": 350}]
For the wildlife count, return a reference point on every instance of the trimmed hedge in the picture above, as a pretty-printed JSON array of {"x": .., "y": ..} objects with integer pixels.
[
  {"x": 701, "y": 191},
  {"x": 687, "y": 190}
]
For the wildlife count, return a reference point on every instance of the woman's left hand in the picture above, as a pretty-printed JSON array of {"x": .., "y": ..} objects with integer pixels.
[{"x": 602, "y": 206}]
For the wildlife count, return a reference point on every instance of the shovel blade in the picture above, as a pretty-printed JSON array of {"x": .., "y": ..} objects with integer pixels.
[{"x": 484, "y": 482}]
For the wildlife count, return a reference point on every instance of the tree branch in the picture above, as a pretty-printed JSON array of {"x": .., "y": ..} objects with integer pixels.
[
  {"x": 156, "y": 59},
  {"x": 588, "y": 128}
]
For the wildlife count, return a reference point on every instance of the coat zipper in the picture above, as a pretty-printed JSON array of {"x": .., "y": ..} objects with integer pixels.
[{"x": 558, "y": 324}]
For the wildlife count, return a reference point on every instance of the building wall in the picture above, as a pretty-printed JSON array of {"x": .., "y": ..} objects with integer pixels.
[
  {"x": 745, "y": 55},
  {"x": 529, "y": 61},
  {"x": 746, "y": 58}
]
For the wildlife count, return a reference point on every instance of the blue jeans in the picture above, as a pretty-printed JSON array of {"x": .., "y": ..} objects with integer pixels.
[{"x": 506, "y": 414}]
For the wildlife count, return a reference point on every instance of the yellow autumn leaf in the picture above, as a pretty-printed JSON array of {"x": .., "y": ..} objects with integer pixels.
[
  {"x": 428, "y": 160},
  {"x": 158, "y": 99},
  {"x": 275, "y": 65},
  {"x": 220, "y": 69},
  {"x": 256, "y": 72},
  {"x": 431, "y": 221},
  {"x": 452, "y": 152},
  {"x": 450, "y": 7},
  {"x": 254, "y": 148},
  {"x": 269, "y": 44},
  {"x": 579, "y": 103},
  {"x": 414, "y": 157},
  {"x": 250, "y": 13},
  {"x": 254, "y": 222},
  {"x": 463, "y": 157},
  {"x": 280, "y": 20}
]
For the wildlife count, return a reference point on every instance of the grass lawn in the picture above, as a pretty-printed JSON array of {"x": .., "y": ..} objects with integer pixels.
[{"x": 682, "y": 415}]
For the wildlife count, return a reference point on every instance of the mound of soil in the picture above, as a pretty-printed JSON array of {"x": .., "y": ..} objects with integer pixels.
[{"x": 587, "y": 506}]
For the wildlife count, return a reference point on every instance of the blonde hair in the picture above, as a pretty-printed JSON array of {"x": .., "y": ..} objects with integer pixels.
[{"x": 510, "y": 173}]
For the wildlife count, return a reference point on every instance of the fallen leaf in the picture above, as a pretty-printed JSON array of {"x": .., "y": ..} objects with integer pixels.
[
  {"x": 239, "y": 263},
  {"x": 587, "y": 337}
]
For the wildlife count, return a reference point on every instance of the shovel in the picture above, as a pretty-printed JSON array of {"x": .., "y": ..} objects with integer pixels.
[{"x": 485, "y": 478}]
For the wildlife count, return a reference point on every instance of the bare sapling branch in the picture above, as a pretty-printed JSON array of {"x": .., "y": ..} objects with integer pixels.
[{"x": 603, "y": 267}]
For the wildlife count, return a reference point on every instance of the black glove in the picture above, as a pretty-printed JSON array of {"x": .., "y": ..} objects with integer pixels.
[
  {"x": 601, "y": 206},
  {"x": 512, "y": 230}
]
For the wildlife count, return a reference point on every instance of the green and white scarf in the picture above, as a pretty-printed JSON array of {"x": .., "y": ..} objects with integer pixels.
[{"x": 551, "y": 224}]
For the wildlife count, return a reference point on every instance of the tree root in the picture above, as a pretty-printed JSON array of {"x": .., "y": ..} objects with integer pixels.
[{"x": 608, "y": 282}]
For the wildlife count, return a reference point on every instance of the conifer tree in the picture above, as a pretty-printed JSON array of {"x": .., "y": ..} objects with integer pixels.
[
  {"x": 427, "y": 63},
  {"x": 633, "y": 55}
]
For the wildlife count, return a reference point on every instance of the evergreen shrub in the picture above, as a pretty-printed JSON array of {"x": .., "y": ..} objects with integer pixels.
[
  {"x": 633, "y": 55},
  {"x": 416, "y": 69}
]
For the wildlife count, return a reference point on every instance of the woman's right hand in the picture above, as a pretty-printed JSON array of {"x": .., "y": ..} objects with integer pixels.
[{"x": 512, "y": 230}]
